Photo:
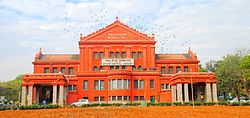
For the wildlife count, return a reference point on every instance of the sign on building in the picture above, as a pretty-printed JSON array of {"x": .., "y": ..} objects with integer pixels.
[{"x": 116, "y": 62}]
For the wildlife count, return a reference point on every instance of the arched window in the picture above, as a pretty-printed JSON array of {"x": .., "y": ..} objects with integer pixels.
[
  {"x": 101, "y": 68},
  {"x": 140, "y": 68},
  {"x": 95, "y": 68}
]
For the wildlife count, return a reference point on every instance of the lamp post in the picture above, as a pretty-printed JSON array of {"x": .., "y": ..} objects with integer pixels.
[{"x": 192, "y": 88}]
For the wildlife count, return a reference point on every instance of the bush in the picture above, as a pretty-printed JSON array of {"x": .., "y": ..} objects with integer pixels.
[
  {"x": 245, "y": 103},
  {"x": 209, "y": 103},
  {"x": 222, "y": 103},
  {"x": 117, "y": 104},
  {"x": 187, "y": 104},
  {"x": 235, "y": 104},
  {"x": 105, "y": 104},
  {"x": 197, "y": 103},
  {"x": 177, "y": 103}
]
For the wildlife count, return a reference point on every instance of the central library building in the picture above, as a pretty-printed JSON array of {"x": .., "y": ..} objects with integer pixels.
[{"x": 117, "y": 64}]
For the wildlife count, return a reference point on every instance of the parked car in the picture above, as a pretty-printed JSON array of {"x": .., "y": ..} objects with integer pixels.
[
  {"x": 80, "y": 102},
  {"x": 242, "y": 99}
]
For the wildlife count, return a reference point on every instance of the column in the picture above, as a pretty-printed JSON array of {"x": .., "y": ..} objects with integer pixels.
[
  {"x": 30, "y": 94},
  {"x": 215, "y": 92},
  {"x": 173, "y": 93},
  {"x": 186, "y": 92},
  {"x": 54, "y": 94},
  {"x": 179, "y": 93},
  {"x": 61, "y": 88},
  {"x": 208, "y": 92},
  {"x": 24, "y": 94}
]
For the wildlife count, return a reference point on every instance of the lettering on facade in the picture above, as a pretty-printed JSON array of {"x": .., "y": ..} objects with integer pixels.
[
  {"x": 117, "y": 35},
  {"x": 114, "y": 62}
]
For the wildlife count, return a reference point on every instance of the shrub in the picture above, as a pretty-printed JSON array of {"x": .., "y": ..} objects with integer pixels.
[
  {"x": 105, "y": 104},
  {"x": 197, "y": 103},
  {"x": 177, "y": 103},
  {"x": 222, "y": 103},
  {"x": 209, "y": 103},
  {"x": 117, "y": 104},
  {"x": 245, "y": 103},
  {"x": 235, "y": 104},
  {"x": 187, "y": 103}
]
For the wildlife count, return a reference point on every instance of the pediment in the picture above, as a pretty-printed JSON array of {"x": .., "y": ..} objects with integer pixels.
[{"x": 116, "y": 31}]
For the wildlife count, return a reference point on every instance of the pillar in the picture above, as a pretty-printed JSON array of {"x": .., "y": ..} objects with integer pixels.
[
  {"x": 179, "y": 93},
  {"x": 61, "y": 91},
  {"x": 30, "y": 94},
  {"x": 54, "y": 99},
  {"x": 24, "y": 94},
  {"x": 173, "y": 93},
  {"x": 186, "y": 93},
  {"x": 208, "y": 93},
  {"x": 215, "y": 92}
]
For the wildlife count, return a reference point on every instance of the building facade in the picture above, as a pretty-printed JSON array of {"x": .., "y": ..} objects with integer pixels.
[{"x": 117, "y": 64}]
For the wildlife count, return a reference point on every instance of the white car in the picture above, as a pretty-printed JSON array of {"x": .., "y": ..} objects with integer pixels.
[
  {"x": 80, "y": 102},
  {"x": 242, "y": 99}
]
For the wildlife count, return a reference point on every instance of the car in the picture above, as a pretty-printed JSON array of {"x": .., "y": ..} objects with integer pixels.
[
  {"x": 80, "y": 102},
  {"x": 242, "y": 99}
]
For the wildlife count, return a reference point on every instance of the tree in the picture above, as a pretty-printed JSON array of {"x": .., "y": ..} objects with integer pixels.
[
  {"x": 11, "y": 88},
  {"x": 210, "y": 65},
  {"x": 231, "y": 74}
]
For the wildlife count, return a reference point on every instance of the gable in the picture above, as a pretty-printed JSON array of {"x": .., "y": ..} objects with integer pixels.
[{"x": 117, "y": 31}]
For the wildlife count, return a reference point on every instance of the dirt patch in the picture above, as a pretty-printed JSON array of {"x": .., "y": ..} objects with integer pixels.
[{"x": 125, "y": 112}]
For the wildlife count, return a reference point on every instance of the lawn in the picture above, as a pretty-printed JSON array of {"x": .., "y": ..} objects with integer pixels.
[{"x": 131, "y": 112}]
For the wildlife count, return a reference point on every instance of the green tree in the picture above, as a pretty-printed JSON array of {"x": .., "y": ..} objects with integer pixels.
[
  {"x": 11, "y": 89},
  {"x": 231, "y": 74}
]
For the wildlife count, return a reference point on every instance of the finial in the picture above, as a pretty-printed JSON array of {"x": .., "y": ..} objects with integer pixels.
[
  {"x": 116, "y": 17},
  {"x": 81, "y": 35}
]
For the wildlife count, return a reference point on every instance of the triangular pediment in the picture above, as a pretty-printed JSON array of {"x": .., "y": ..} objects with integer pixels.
[{"x": 117, "y": 31}]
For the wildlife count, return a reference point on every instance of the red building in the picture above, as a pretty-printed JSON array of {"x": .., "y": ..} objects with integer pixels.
[{"x": 117, "y": 64}]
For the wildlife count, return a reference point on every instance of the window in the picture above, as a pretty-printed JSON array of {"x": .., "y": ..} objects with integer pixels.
[
  {"x": 71, "y": 87},
  {"x": 138, "y": 84},
  {"x": 117, "y": 67},
  {"x": 123, "y": 67},
  {"x": 96, "y": 98},
  {"x": 101, "y": 55},
  {"x": 152, "y": 84},
  {"x": 63, "y": 70},
  {"x": 113, "y": 98},
  {"x": 119, "y": 98},
  {"x": 140, "y": 68},
  {"x": 136, "y": 98},
  {"x": 46, "y": 70},
  {"x": 54, "y": 70},
  {"x": 133, "y": 67},
  {"x": 119, "y": 84},
  {"x": 95, "y": 55},
  {"x": 99, "y": 85},
  {"x": 99, "y": 98},
  {"x": 165, "y": 86},
  {"x": 101, "y": 67},
  {"x": 111, "y": 55},
  {"x": 125, "y": 98},
  {"x": 178, "y": 68},
  {"x": 133, "y": 55},
  {"x": 111, "y": 67},
  {"x": 95, "y": 68},
  {"x": 170, "y": 70},
  {"x": 124, "y": 55},
  {"x": 102, "y": 98},
  {"x": 85, "y": 84},
  {"x": 139, "y": 55},
  {"x": 185, "y": 68},
  {"x": 163, "y": 70},
  {"x": 141, "y": 97},
  {"x": 117, "y": 55},
  {"x": 71, "y": 71}
]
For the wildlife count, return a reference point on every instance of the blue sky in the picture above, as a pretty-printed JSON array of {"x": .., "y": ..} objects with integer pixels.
[{"x": 212, "y": 28}]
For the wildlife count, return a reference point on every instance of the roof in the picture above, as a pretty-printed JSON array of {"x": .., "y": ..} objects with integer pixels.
[
  {"x": 59, "y": 57},
  {"x": 172, "y": 56}
]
